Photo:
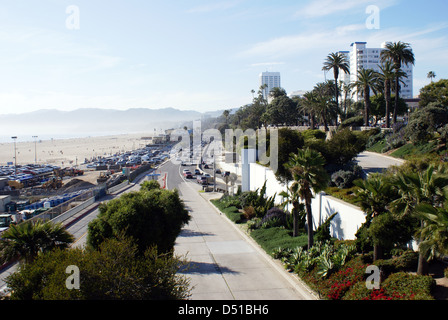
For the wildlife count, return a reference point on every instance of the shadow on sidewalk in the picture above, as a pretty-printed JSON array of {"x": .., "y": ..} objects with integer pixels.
[{"x": 204, "y": 268}]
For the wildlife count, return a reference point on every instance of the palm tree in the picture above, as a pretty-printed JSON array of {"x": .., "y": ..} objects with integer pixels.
[
  {"x": 431, "y": 75},
  {"x": 26, "y": 240},
  {"x": 416, "y": 188},
  {"x": 399, "y": 53},
  {"x": 336, "y": 61},
  {"x": 435, "y": 233},
  {"x": 308, "y": 107},
  {"x": 388, "y": 76},
  {"x": 309, "y": 176},
  {"x": 367, "y": 81},
  {"x": 374, "y": 195}
]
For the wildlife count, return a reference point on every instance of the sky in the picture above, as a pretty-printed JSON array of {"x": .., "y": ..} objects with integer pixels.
[{"x": 194, "y": 55}]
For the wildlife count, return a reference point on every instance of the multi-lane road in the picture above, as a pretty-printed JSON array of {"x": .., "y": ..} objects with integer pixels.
[{"x": 224, "y": 263}]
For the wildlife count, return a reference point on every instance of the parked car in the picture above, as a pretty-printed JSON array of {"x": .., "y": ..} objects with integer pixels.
[
  {"x": 218, "y": 171},
  {"x": 225, "y": 173}
]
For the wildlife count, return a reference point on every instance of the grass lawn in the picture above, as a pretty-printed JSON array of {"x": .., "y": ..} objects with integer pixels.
[
  {"x": 411, "y": 149},
  {"x": 272, "y": 238},
  {"x": 231, "y": 212}
]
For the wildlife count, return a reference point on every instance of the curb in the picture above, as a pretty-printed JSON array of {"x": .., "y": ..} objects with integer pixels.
[{"x": 293, "y": 279}]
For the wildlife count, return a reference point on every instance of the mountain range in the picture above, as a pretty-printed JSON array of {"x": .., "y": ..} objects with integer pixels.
[{"x": 96, "y": 121}]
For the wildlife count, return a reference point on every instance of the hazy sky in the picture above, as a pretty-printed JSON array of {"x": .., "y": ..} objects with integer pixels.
[{"x": 196, "y": 55}]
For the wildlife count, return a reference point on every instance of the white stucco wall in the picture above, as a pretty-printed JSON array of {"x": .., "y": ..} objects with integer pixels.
[{"x": 343, "y": 226}]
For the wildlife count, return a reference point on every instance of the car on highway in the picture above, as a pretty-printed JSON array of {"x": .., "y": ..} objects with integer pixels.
[
  {"x": 188, "y": 175},
  {"x": 197, "y": 171},
  {"x": 202, "y": 180}
]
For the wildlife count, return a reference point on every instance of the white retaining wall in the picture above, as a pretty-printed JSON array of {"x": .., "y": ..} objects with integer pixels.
[{"x": 343, "y": 226}]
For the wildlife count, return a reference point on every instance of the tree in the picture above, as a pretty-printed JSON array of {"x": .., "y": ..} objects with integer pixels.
[
  {"x": 288, "y": 142},
  {"x": 226, "y": 114},
  {"x": 28, "y": 239},
  {"x": 336, "y": 61},
  {"x": 388, "y": 76},
  {"x": 421, "y": 187},
  {"x": 282, "y": 110},
  {"x": 431, "y": 75},
  {"x": 434, "y": 234},
  {"x": 399, "y": 53},
  {"x": 152, "y": 218},
  {"x": 309, "y": 176},
  {"x": 374, "y": 196},
  {"x": 367, "y": 81},
  {"x": 116, "y": 271},
  {"x": 424, "y": 121},
  {"x": 435, "y": 92}
]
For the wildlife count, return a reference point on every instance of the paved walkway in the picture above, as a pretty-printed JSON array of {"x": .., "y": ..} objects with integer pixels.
[
  {"x": 224, "y": 263},
  {"x": 373, "y": 162}
]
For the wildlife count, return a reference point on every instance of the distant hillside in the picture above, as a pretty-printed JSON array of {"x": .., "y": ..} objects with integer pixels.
[{"x": 93, "y": 121}]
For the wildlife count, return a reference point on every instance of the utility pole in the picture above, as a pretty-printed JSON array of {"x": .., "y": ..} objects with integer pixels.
[
  {"x": 15, "y": 155},
  {"x": 35, "y": 149},
  {"x": 214, "y": 173}
]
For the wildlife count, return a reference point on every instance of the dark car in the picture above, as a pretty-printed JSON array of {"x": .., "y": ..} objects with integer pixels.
[
  {"x": 188, "y": 175},
  {"x": 197, "y": 171},
  {"x": 225, "y": 173},
  {"x": 202, "y": 180}
]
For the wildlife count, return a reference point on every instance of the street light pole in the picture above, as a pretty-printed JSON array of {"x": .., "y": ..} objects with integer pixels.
[
  {"x": 35, "y": 149},
  {"x": 15, "y": 155}
]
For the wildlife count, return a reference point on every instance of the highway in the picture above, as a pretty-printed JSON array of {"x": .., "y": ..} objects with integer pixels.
[{"x": 224, "y": 263}]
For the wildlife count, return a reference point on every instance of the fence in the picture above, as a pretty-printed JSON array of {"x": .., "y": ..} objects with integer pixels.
[{"x": 79, "y": 202}]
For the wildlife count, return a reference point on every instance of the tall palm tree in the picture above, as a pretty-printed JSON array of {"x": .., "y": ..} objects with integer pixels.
[
  {"x": 399, "y": 53},
  {"x": 416, "y": 188},
  {"x": 26, "y": 240},
  {"x": 368, "y": 80},
  {"x": 308, "y": 107},
  {"x": 388, "y": 77},
  {"x": 431, "y": 75},
  {"x": 374, "y": 196},
  {"x": 336, "y": 61},
  {"x": 309, "y": 176}
]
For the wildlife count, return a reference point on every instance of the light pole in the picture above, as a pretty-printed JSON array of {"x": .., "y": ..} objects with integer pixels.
[
  {"x": 35, "y": 149},
  {"x": 15, "y": 155}
]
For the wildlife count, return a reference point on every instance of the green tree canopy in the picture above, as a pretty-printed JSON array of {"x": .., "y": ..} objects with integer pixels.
[
  {"x": 436, "y": 92},
  {"x": 152, "y": 218},
  {"x": 116, "y": 271}
]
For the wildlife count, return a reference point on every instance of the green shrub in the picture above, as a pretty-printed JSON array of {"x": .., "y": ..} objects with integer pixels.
[
  {"x": 232, "y": 213},
  {"x": 273, "y": 238},
  {"x": 398, "y": 286},
  {"x": 410, "y": 286}
]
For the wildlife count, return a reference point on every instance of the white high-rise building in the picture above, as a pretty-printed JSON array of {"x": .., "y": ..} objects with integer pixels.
[
  {"x": 370, "y": 58},
  {"x": 272, "y": 80}
]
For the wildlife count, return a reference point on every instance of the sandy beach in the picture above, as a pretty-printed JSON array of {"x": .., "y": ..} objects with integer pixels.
[{"x": 69, "y": 152}]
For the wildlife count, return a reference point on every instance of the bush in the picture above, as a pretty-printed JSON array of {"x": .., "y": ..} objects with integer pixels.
[
  {"x": 116, "y": 271},
  {"x": 152, "y": 218},
  {"x": 275, "y": 217},
  {"x": 273, "y": 238},
  {"x": 356, "y": 121},
  {"x": 323, "y": 231},
  {"x": 232, "y": 212},
  {"x": 398, "y": 286}
]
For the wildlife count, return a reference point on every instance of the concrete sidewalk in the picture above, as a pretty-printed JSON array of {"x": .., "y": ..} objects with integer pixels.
[{"x": 224, "y": 264}]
